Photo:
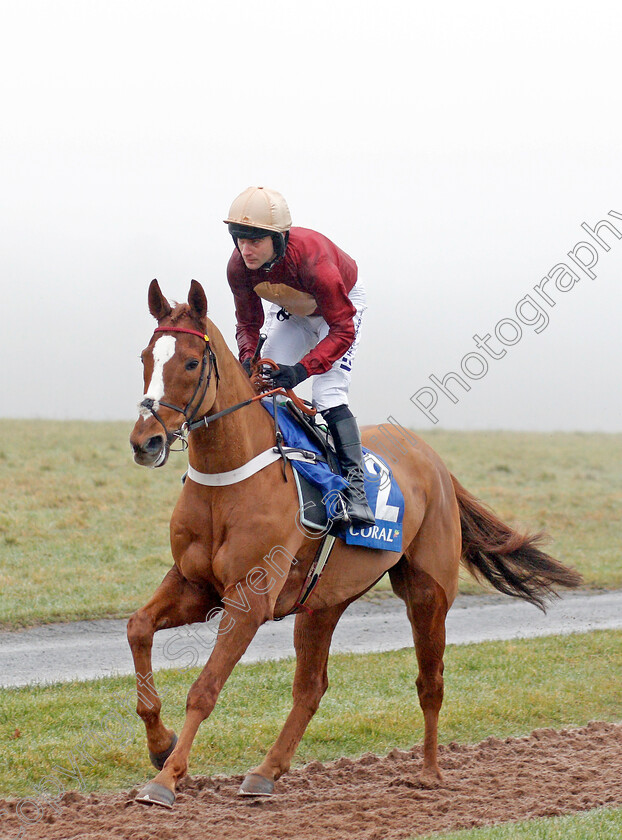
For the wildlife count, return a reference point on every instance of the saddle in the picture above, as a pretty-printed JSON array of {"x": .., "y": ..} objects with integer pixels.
[
  {"x": 319, "y": 482},
  {"x": 318, "y": 434},
  {"x": 313, "y": 512}
]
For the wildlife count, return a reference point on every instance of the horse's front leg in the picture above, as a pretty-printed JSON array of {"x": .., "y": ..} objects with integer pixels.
[
  {"x": 237, "y": 629},
  {"x": 174, "y": 603},
  {"x": 312, "y": 637}
]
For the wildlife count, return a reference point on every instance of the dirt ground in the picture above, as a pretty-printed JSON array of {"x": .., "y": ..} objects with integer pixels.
[{"x": 547, "y": 773}]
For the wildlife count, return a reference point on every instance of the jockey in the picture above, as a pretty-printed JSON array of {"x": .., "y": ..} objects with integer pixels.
[{"x": 312, "y": 324}]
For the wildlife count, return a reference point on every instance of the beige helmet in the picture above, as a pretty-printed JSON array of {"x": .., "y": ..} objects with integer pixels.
[{"x": 260, "y": 208}]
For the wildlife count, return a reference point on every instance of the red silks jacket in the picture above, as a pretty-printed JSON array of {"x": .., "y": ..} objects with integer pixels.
[{"x": 313, "y": 278}]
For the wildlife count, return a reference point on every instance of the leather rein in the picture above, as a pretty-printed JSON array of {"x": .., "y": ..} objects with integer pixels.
[{"x": 209, "y": 368}]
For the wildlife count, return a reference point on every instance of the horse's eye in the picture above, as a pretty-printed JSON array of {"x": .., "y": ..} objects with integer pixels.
[{"x": 192, "y": 364}]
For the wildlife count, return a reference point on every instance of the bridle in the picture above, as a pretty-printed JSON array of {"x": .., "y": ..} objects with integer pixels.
[{"x": 209, "y": 368}]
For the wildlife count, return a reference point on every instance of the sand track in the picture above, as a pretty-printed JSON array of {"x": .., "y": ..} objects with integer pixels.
[{"x": 547, "y": 773}]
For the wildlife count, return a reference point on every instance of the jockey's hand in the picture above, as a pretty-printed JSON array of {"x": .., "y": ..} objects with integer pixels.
[
  {"x": 246, "y": 364},
  {"x": 288, "y": 376}
]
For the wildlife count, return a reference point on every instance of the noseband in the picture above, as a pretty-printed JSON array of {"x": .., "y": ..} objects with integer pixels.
[{"x": 209, "y": 367}]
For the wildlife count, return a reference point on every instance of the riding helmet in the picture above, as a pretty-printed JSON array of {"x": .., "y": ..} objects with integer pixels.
[{"x": 258, "y": 212}]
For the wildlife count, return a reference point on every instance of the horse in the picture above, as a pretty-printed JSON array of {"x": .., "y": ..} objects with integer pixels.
[{"x": 239, "y": 552}]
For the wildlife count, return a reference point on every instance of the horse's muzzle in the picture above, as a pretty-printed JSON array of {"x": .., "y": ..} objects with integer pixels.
[{"x": 152, "y": 452}]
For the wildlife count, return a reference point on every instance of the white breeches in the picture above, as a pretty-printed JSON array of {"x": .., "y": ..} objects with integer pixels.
[{"x": 289, "y": 340}]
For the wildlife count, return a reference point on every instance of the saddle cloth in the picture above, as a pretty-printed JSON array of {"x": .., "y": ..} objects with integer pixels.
[{"x": 318, "y": 489}]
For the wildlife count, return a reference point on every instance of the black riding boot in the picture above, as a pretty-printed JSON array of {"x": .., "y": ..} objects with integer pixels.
[{"x": 347, "y": 439}]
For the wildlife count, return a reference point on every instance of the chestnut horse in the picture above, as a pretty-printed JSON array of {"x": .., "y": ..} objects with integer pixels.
[{"x": 238, "y": 545}]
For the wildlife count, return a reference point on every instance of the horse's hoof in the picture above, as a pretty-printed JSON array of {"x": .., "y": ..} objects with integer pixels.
[
  {"x": 155, "y": 794},
  {"x": 431, "y": 778},
  {"x": 158, "y": 759},
  {"x": 256, "y": 785}
]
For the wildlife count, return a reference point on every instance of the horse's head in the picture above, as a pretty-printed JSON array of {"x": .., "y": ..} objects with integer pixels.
[{"x": 180, "y": 375}]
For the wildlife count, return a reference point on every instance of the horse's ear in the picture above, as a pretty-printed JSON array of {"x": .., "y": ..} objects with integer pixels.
[
  {"x": 197, "y": 299},
  {"x": 158, "y": 304}
]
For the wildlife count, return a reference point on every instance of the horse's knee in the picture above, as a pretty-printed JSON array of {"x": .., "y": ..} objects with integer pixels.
[
  {"x": 430, "y": 688},
  {"x": 201, "y": 699},
  {"x": 139, "y": 629},
  {"x": 310, "y": 690}
]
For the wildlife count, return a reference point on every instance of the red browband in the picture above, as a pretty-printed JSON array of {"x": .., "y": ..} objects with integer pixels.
[{"x": 182, "y": 330}]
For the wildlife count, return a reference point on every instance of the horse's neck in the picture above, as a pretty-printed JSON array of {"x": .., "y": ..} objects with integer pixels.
[{"x": 231, "y": 441}]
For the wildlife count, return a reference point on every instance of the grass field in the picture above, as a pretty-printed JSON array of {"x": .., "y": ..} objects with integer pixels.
[
  {"x": 84, "y": 531},
  {"x": 599, "y": 824},
  {"x": 499, "y": 689}
]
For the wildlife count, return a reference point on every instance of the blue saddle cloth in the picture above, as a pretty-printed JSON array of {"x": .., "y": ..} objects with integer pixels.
[{"x": 383, "y": 493}]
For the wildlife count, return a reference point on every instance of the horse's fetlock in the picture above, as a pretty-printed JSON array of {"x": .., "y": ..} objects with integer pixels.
[
  {"x": 176, "y": 768},
  {"x": 149, "y": 715},
  {"x": 281, "y": 770}
]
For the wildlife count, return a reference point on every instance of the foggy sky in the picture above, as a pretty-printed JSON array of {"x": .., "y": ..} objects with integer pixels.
[{"x": 454, "y": 151}]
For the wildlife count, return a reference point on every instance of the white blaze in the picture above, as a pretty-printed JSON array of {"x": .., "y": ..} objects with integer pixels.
[{"x": 163, "y": 350}]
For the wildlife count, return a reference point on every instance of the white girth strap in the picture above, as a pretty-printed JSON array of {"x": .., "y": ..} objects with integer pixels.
[{"x": 250, "y": 468}]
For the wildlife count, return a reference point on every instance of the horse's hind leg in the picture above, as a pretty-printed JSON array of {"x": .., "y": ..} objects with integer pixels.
[
  {"x": 312, "y": 637},
  {"x": 175, "y": 602},
  {"x": 427, "y": 607}
]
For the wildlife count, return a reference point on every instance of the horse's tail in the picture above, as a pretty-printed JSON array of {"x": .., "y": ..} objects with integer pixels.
[{"x": 509, "y": 560}]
